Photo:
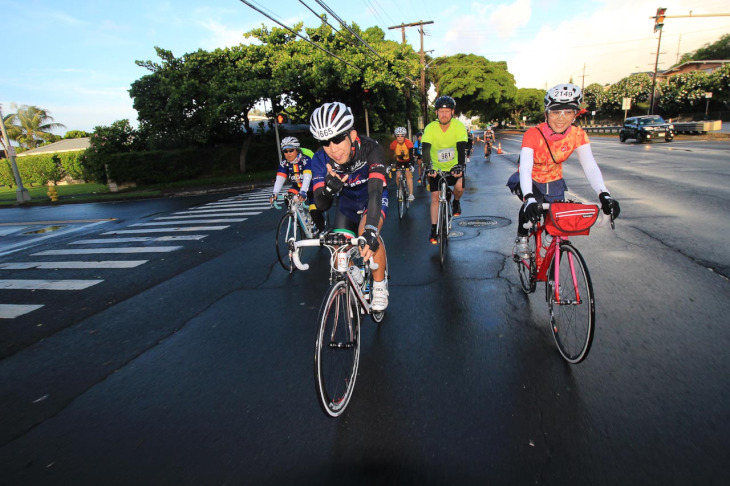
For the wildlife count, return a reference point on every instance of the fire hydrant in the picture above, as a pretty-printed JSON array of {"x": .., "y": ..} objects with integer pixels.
[{"x": 52, "y": 193}]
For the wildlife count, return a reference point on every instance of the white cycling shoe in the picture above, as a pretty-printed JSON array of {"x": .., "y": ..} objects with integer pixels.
[{"x": 379, "y": 300}]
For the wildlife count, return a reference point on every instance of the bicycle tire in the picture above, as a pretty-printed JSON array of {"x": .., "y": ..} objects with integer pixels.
[
  {"x": 284, "y": 231},
  {"x": 401, "y": 199},
  {"x": 407, "y": 195},
  {"x": 337, "y": 349},
  {"x": 527, "y": 268},
  {"x": 443, "y": 231},
  {"x": 572, "y": 320}
]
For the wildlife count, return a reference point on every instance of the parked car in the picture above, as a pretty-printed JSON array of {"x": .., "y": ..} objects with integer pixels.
[{"x": 648, "y": 127}]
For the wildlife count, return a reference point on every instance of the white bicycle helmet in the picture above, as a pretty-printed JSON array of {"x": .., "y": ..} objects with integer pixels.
[
  {"x": 290, "y": 142},
  {"x": 400, "y": 131},
  {"x": 563, "y": 96},
  {"x": 330, "y": 120}
]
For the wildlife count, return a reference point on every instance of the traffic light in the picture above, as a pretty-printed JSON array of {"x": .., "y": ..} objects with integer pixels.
[
  {"x": 281, "y": 119},
  {"x": 659, "y": 19},
  {"x": 366, "y": 94}
]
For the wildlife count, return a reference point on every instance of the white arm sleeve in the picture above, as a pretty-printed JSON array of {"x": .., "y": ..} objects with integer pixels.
[
  {"x": 526, "y": 163},
  {"x": 278, "y": 184},
  {"x": 590, "y": 168},
  {"x": 306, "y": 180}
]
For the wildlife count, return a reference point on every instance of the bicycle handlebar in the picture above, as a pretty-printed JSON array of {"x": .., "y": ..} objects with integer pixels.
[
  {"x": 359, "y": 242},
  {"x": 602, "y": 217}
]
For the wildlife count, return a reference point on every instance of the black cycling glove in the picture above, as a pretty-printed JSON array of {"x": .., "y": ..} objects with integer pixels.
[
  {"x": 531, "y": 208},
  {"x": 333, "y": 185},
  {"x": 609, "y": 205},
  {"x": 371, "y": 238}
]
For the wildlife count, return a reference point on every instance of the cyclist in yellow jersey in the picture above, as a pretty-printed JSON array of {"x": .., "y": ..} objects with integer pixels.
[{"x": 444, "y": 145}]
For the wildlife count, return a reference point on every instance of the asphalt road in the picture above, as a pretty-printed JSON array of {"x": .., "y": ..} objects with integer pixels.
[{"x": 195, "y": 367}]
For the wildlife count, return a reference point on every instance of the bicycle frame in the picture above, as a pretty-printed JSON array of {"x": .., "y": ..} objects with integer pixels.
[
  {"x": 297, "y": 208},
  {"x": 340, "y": 257}
]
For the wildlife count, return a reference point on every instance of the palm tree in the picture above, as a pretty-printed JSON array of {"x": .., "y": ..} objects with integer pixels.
[{"x": 30, "y": 126}]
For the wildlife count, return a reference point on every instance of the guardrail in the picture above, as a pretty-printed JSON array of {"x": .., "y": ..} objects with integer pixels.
[{"x": 685, "y": 127}]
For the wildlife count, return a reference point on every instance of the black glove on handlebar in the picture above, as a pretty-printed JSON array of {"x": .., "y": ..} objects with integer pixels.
[
  {"x": 609, "y": 205},
  {"x": 371, "y": 238},
  {"x": 532, "y": 210},
  {"x": 333, "y": 185}
]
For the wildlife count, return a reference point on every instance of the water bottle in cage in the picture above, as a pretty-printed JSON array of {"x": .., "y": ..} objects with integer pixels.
[{"x": 356, "y": 274}]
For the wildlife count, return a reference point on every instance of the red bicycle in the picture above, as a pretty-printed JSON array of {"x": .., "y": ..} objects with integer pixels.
[{"x": 553, "y": 259}]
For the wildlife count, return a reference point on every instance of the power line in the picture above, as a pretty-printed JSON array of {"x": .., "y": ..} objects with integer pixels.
[
  {"x": 342, "y": 23},
  {"x": 300, "y": 36}
]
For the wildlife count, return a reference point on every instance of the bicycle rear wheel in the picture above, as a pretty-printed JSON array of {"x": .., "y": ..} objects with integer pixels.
[
  {"x": 572, "y": 313},
  {"x": 443, "y": 227},
  {"x": 286, "y": 230},
  {"x": 337, "y": 350},
  {"x": 527, "y": 268}
]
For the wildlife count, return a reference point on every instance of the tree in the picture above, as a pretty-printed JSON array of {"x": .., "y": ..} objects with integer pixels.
[
  {"x": 76, "y": 134},
  {"x": 30, "y": 126},
  {"x": 528, "y": 102},
  {"x": 714, "y": 51},
  {"x": 480, "y": 87}
]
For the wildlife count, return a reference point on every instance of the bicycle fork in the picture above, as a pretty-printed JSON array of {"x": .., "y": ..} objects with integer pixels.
[{"x": 556, "y": 279}]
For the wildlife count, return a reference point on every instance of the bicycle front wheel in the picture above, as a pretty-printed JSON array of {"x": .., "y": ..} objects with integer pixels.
[
  {"x": 572, "y": 308},
  {"x": 286, "y": 230},
  {"x": 527, "y": 268},
  {"x": 337, "y": 351},
  {"x": 443, "y": 227},
  {"x": 402, "y": 197}
]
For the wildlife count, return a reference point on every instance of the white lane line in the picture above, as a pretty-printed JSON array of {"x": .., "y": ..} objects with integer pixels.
[
  {"x": 139, "y": 239},
  {"x": 24, "y": 245},
  {"x": 48, "y": 284},
  {"x": 94, "y": 251},
  {"x": 166, "y": 230},
  {"x": 75, "y": 265},
  {"x": 11, "y": 311},
  {"x": 235, "y": 205},
  {"x": 198, "y": 214},
  {"x": 195, "y": 221}
]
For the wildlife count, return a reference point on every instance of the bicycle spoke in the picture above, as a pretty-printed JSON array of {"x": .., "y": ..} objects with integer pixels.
[
  {"x": 337, "y": 349},
  {"x": 572, "y": 306}
]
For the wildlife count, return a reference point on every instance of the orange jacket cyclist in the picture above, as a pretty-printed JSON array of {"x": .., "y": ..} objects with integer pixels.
[
  {"x": 544, "y": 149},
  {"x": 402, "y": 148}
]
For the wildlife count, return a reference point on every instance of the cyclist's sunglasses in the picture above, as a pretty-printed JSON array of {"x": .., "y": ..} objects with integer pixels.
[
  {"x": 336, "y": 140},
  {"x": 288, "y": 151}
]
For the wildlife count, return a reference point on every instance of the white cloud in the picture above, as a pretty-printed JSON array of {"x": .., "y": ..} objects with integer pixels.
[
  {"x": 508, "y": 18},
  {"x": 221, "y": 35}
]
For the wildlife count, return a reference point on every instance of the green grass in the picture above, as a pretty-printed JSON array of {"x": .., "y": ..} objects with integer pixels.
[{"x": 81, "y": 193}]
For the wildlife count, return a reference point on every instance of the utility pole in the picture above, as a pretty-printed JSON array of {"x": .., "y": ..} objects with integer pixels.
[
  {"x": 658, "y": 25},
  {"x": 583, "y": 82},
  {"x": 21, "y": 193},
  {"x": 420, "y": 24}
]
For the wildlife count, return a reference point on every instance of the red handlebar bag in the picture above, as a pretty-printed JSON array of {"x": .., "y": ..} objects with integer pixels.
[{"x": 570, "y": 219}]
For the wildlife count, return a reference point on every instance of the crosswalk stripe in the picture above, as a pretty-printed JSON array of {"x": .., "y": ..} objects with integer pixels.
[
  {"x": 47, "y": 284},
  {"x": 11, "y": 311},
  {"x": 93, "y": 251},
  {"x": 166, "y": 230},
  {"x": 195, "y": 221},
  {"x": 74, "y": 265},
  {"x": 138, "y": 239},
  {"x": 235, "y": 205}
]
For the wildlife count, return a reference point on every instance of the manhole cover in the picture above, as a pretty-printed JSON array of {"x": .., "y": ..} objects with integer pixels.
[{"x": 483, "y": 222}]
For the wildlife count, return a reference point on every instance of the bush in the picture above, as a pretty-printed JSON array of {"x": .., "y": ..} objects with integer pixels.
[
  {"x": 39, "y": 169},
  {"x": 6, "y": 173},
  {"x": 71, "y": 164}
]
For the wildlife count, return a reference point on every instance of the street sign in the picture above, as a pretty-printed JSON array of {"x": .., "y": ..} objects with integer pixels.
[{"x": 626, "y": 104}]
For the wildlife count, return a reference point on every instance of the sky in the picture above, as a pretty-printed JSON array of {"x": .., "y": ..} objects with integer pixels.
[{"x": 76, "y": 58}]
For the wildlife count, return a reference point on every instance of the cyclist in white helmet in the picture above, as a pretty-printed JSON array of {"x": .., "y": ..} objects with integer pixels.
[
  {"x": 297, "y": 167},
  {"x": 402, "y": 148},
  {"x": 352, "y": 166},
  {"x": 544, "y": 149}
]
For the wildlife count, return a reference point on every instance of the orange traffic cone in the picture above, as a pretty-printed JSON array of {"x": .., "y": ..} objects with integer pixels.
[{"x": 499, "y": 148}]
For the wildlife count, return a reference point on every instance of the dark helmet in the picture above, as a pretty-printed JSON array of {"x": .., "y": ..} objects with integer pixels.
[{"x": 445, "y": 102}]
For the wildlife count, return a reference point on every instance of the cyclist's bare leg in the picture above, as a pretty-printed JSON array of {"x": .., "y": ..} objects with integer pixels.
[
  {"x": 409, "y": 180},
  {"x": 459, "y": 187},
  {"x": 434, "y": 207},
  {"x": 379, "y": 256}
]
